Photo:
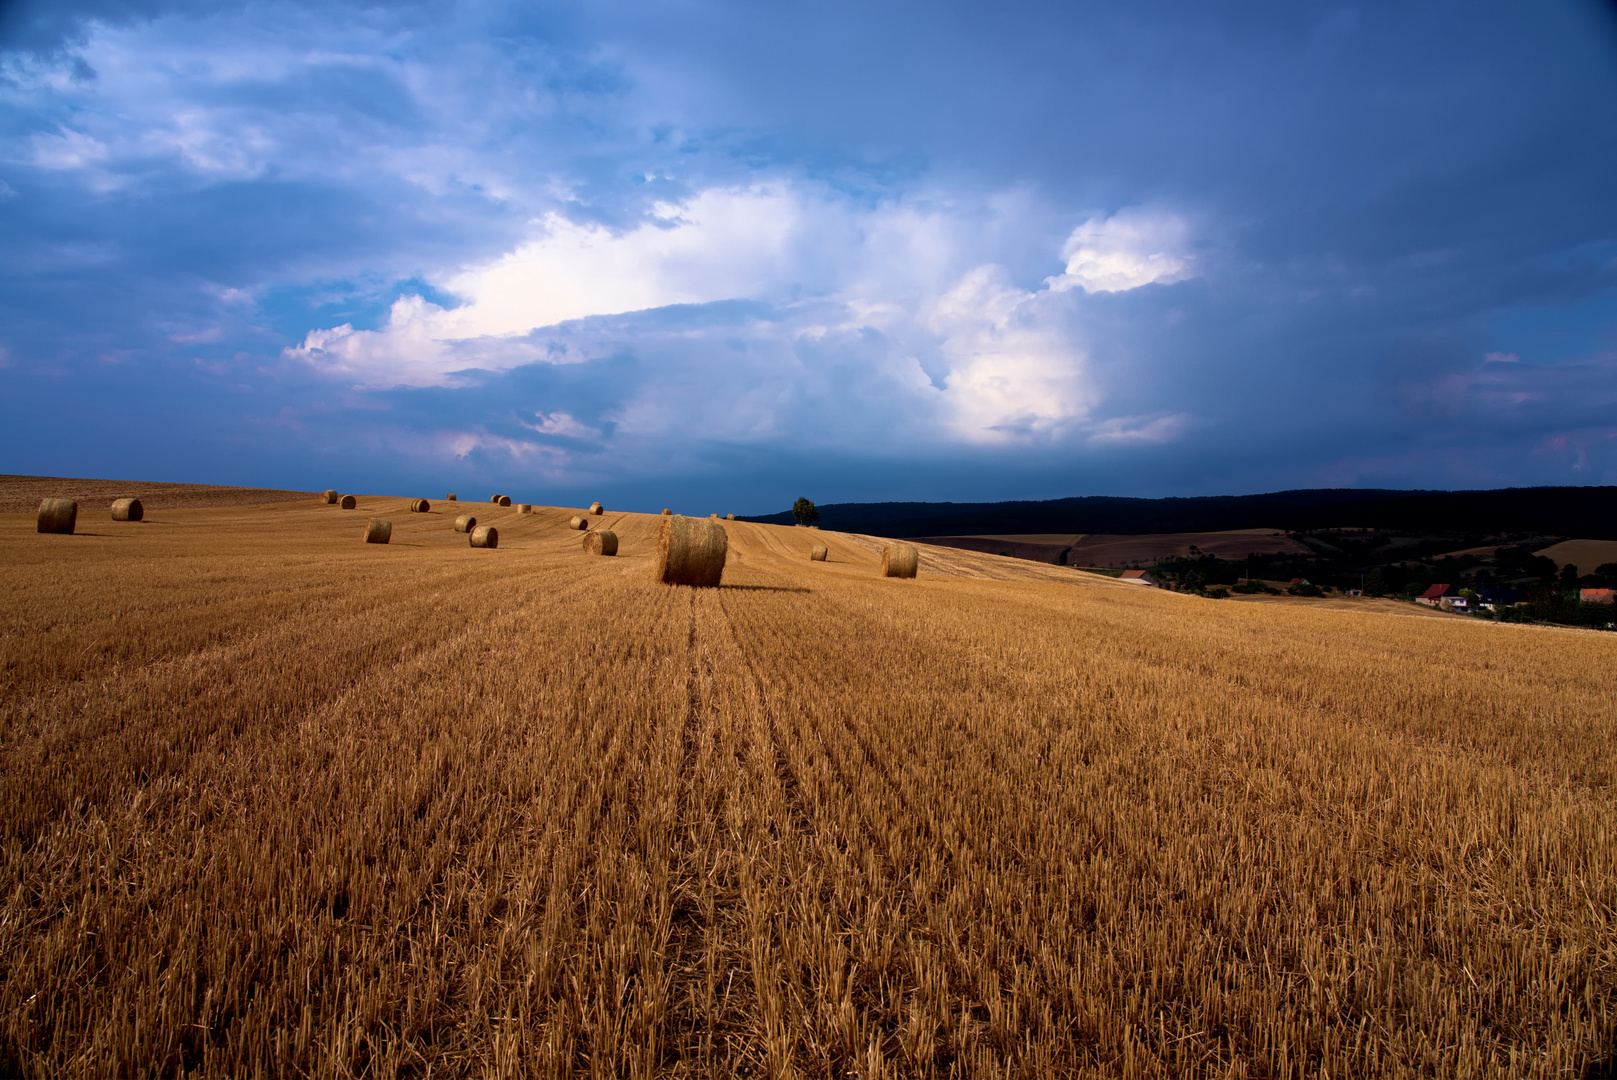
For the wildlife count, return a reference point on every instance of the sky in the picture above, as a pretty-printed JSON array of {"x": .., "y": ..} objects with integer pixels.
[{"x": 717, "y": 255}]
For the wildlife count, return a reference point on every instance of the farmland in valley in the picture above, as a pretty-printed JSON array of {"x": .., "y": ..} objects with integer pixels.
[
  {"x": 277, "y": 802},
  {"x": 1093, "y": 549}
]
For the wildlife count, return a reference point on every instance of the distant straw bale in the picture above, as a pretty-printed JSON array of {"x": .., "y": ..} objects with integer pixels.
[
  {"x": 495, "y": 499},
  {"x": 420, "y": 506},
  {"x": 58, "y": 515},
  {"x": 690, "y": 551},
  {"x": 601, "y": 542},
  {"x": 485, "y": 536},
  {"x": 128, "y": 510},
  {"x": 524, "y": 508},
  {"x": 667, "y": 512},
  {"x": 450, "y": 497},
  {"x": 818, "y": 553},
  {"x": 577, "y": 523},
  {"x": 505, "y": 500},
  {"x": 378, "y": 531},
  {"x": 729, "y": 517},
  {"x": 349, "y": 502},
  {"x": 465, "y": 523},
  {"x": 329, "y": 495},
  {"x": 597, "y": 508},
  {"x": 900, "y": 560}
]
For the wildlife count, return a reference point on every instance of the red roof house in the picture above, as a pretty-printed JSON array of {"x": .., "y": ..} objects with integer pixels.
[
  {"x": 1139, "y": 577},
  {"x": 1598, "y": 596},
  {"x": 1435, "y": 595}
]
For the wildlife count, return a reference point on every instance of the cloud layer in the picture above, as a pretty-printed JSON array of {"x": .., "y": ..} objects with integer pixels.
[{"x": 629, "y": 247}]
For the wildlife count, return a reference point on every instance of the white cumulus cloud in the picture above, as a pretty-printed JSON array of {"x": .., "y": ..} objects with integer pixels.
[
  {"x": 1125, "y": 251},
  {"x": 974, "y": 356}
]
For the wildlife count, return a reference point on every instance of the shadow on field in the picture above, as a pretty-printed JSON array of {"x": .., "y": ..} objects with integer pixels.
[
  {"x": 767, "y": 588},
  {"x": 1603, "y": 1068}
]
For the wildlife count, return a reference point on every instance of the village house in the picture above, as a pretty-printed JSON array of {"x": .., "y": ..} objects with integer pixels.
[
  {"x": 1596, "y": 596},
  {"x": 1434, "y": 596},
  {"x": 1139, "y": 577},
  {"x": 1494, "y": 599}
]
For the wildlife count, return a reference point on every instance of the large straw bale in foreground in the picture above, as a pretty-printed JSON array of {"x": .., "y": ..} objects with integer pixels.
[
  {"x": 577, "y": 522},
  {"x": 128, "y": 510},
  {"x": 691, "y": 551},
  {"x": 597, "y": 509},
  {"x": 465, "y": 523},
  {"x": 349, "y": 502},
  {"x": 378, "y": 531},
  {"x": 818, "y": 553},
  {"x": 601, "y": 542},
  {"x": 58, "y": 515},
  {"x": 900, "y": 560},
  {"x": 329, "y": 495},
  {"x": 485, "y": 536}
]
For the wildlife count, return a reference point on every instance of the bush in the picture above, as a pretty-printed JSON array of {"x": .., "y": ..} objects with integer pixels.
[
  {"x": 1219, "y": 592},
  {"x": 1306, "y": 588}
]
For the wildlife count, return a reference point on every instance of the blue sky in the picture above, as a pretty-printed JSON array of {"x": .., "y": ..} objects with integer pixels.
[{"x": 720, "y": 255}]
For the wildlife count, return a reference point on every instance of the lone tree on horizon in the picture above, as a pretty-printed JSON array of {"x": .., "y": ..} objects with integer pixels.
[{"x": 804, "y": 512}]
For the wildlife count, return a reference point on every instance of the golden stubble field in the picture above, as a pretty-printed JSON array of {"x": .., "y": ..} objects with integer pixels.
[{"x": 280, "y": 803}]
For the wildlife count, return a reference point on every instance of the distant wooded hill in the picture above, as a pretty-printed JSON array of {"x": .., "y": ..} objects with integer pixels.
[{"x": 1588, "y": 512}]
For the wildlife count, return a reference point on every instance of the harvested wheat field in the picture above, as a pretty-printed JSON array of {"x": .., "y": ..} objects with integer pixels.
[{"x": 278, "y": 802}]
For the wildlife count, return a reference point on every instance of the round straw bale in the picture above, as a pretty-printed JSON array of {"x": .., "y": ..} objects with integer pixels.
[
  {"x": 690, "y": 551},
  {"x": 485, "y": 536},
  {"x": 128, "y": 510},
  {"x": 58, "y": 515},
  {"x": 601, "y": 542},
  {"x": 524, "y": 508},
  {"x": 899, "y": 560},
  {"x": 465, "y": 523},
  {"x": 378, "y": 531},
  {"x": 450, "y": 497},
  {"x": 329, "y": 495},
  {"x": 578, "y": 523},
  {"x": 729, "y": 517},
  {"x": 495, "y": 499},
  {"x": 818, "y": 553},
  {"x": 505, "y": 500},
  {"x": 597, "y": 508},
  {"x": 420, "y": 506},
  {"x": 349, "y": 502},
  {"x": 667, "y": 512}
]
